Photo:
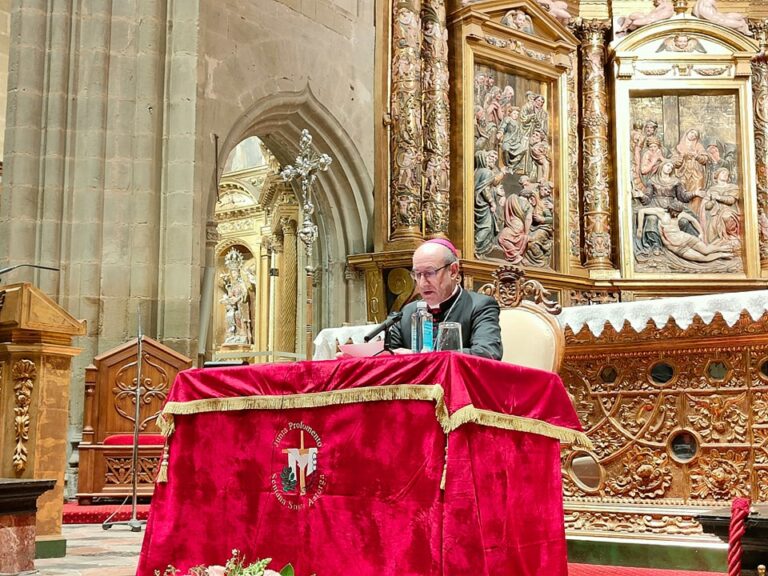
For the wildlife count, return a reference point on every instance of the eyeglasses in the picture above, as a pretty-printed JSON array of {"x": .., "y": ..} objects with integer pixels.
[{"x": 428, "y": 274}]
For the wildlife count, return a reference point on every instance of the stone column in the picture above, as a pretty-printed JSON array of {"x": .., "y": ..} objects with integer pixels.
[
  {"x": 286, "y": 313},
  {"x": 760, "y": 99},
  {"x": 436, "y": 112},
  {"x": 596, "y": 164},
  {"x": 406, "y": 136}
]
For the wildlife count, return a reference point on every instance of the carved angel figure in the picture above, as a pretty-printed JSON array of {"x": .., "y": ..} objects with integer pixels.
[
  {"x": 707, "y": 10},
  {"x": 662, "y": 10},
  {"x": 557, "y": 8}
]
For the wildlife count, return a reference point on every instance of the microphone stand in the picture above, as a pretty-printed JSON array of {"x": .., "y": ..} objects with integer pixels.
[
  {"x": 134, "y": 523},
  {"x": 388, "y": 337}
]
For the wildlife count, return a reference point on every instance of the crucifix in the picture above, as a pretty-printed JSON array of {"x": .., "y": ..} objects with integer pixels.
[{"x": 308, "y": 164}]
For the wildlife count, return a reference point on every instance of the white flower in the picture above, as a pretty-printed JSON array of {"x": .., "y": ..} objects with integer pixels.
[{"x": 215, "y": 571}]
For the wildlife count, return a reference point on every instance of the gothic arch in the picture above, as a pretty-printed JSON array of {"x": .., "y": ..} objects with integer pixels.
[{"x": 343, "y": 195}]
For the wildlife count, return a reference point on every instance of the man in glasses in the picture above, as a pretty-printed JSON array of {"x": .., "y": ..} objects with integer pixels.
[{"x": 436, "y": 273}]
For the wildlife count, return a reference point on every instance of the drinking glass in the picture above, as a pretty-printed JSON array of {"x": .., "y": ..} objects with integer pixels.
[{"x": 449, "y": 336}]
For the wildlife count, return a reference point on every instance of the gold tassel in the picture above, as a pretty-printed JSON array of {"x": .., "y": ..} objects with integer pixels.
[
  {"x": 445, "y": 467},
  {"x": 165, "y": 423},
  {"x": 162, "y": 474}
]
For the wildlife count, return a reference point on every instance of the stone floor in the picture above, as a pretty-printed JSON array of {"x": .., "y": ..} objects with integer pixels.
[{"x": 93, "y": 551}]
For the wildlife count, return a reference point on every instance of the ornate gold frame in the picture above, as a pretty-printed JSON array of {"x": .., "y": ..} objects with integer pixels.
[
  {"x": 640, "y": 70},
  {"x": 478, "y": 38}
]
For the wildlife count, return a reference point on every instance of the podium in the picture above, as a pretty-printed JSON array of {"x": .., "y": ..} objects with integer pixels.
[
  {"x": 35, "y": 372},
  {"x": 429, "y": 464}
]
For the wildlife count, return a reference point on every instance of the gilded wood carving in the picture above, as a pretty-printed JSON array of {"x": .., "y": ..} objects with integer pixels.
[{"x": 23, "y": 374}]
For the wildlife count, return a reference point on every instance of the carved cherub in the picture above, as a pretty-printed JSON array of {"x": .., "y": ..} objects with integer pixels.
[
  {"x": 707, "y": 10},
  {"x": 557, "y": 8},
  {"x": 681, "y": 43},
  {"x": 662, "y": 10}
]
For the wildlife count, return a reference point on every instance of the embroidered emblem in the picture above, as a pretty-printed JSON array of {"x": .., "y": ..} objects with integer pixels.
[{"x": 299, "y": 482}]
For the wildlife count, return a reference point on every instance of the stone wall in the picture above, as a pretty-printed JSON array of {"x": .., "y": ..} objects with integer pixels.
[{"x": 114, "y": 112}]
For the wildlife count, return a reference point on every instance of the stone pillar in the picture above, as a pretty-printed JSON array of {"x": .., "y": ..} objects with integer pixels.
[
  {"x": 760, "y": 99},
  {"x": 287, "y": 288},
  {"x": 406, "y": 136},
  {"x": 436, "y": 114},
  {"x": 18, "y": 503},
  {"x": 596, "y": 164}
]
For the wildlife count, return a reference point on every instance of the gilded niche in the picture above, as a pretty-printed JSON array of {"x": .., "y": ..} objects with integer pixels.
[
  {"x": 687, "y": 190},
  {"x": 514, "y": 211}
]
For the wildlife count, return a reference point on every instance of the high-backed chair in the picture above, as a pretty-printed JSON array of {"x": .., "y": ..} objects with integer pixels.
[
  {"x": 530, "y": 334},
  {"x": 106, "y": 452}
]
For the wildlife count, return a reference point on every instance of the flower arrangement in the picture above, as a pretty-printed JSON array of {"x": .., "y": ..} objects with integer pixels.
[{"x": 235, "y": 566}]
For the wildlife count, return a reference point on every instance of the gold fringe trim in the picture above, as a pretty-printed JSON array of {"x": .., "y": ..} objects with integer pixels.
[
  {"x": 474, "y": 415},
  {"x": 434, "y": 393}
]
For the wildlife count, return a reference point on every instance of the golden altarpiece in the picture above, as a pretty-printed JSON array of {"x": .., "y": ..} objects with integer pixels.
[
  {"x": 614, "y": 162},
  {"x": 256, "y": 289}
]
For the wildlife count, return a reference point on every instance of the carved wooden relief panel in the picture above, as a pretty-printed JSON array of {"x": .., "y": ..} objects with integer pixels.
[{"x": 679, "y": 422}]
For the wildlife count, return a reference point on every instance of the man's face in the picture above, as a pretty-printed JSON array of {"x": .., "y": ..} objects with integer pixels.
[{"x": 433, "y": 278}]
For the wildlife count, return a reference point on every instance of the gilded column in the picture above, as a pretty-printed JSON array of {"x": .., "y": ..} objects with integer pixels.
[
  {"x": 596, "y": 163},
  {"x": 264, "y": 276},
  {"x": 288, "y": 275},
  {"x": 406, "y": 137},
  {"x": 436, "y": 112},
  {"x": 574, "y": 219},
  {"x": 760, "y": 99}
]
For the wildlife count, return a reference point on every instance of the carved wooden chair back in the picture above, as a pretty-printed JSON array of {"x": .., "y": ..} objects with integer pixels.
[{"x": 530, "y": 334}]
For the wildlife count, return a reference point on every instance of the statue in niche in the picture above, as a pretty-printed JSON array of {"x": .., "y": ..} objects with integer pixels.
[
  {"x": 558, "y": 9},
  {"x": 662, "y": 10},
  {"x": 518, "y": 218},
  {"x": 679, "y": 242},
  {"x": 238, "y": 283},
  {"x": 681, "y": 43},
  {"x": 707, "y": 10},
  {"x": 518, "y": 20},
  {"x": 514, "y": 142},
  {"x": 539, "y": 250}
]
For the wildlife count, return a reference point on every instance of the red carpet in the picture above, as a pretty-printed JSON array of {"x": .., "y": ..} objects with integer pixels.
[
  {"x": 589, "y": 570},
  {"x": 96, "y": 514}
]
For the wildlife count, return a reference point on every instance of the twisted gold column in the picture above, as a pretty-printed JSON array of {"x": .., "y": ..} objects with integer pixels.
[
  {"x": 286, "y": 329},
  {"x": 574, "y": 220},
  {"x": 760, "y": 99},
  {"x": 406, "y": 139},
  {"x": 596, "y": 163},
  {"x": 436, "y": 112}
]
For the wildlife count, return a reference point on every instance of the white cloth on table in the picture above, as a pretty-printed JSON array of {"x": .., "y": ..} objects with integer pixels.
[
  {"x": 683, "y": 309},
  {"x": 326, "y": 340}
]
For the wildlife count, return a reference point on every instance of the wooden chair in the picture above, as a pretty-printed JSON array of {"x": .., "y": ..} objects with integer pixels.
[
  {"x": 108, "y": 422},
  {"x": 530, "y": 334}
]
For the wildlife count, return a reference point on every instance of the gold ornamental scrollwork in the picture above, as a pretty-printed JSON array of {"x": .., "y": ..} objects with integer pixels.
[
  {"x": 510, "y": 288},
  {"x": 23, "y": 374},
  {"x": 406, "y": 130},
  {"x": 436, "y": 114},
  {"x": 2, "y": 300},
  {"x": 596, "y": 163},
  {"x": 760, "y": 105}
]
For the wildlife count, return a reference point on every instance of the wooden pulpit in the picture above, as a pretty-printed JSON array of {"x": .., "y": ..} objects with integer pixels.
[{"x": 35, "y": 371}]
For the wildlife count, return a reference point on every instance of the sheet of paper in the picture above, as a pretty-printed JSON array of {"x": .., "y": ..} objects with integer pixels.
[{"x": 362, "y": 350}]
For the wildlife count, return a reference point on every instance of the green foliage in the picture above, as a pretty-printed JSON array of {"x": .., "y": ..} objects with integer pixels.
[
  {"x": 288, "y": 479},
  {"x": 287, "y": 570}
]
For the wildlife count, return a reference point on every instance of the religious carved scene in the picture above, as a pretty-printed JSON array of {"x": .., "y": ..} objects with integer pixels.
[
  {"x": 514, "y": 204},
  {"x": 688, "y": 198}
]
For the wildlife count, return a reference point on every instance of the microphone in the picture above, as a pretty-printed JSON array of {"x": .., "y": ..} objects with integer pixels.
[
  {"x": 386, "y": 325},
  {"x": 4, "y": 270}
]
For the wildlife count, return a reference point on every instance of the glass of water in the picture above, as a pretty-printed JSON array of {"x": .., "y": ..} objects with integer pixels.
[{"x": 449, "y": 336}]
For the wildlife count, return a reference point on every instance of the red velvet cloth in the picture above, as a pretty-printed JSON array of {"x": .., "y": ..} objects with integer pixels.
[{"x": 374, "y": 503}]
